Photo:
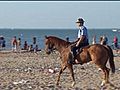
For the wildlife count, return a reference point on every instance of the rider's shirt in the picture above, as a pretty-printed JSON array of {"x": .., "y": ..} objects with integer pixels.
[{"x": 83, "y": 31}]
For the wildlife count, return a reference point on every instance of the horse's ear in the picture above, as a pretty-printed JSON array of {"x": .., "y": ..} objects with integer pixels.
[{"x": 46, "y": 36}]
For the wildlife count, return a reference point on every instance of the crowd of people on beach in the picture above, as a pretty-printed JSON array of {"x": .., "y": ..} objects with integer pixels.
[
  {"x": 103, "y": 40},
  {"x": 16, "y": 45}
]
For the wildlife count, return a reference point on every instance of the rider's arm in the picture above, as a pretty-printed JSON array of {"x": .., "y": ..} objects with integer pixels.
[
  {"x": 80, "y": 40},
  {"x": 74, "y": 42}
]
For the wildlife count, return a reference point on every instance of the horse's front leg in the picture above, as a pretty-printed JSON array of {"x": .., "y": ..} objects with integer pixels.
[
  {"x": 60, "y": 72},
  {"x": 70, "y": 67}
]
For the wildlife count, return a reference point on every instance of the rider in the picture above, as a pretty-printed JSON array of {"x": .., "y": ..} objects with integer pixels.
[{"x": 82, "y": 39}]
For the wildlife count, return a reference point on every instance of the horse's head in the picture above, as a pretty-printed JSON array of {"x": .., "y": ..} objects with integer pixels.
[{"x": 49, "y": 45}]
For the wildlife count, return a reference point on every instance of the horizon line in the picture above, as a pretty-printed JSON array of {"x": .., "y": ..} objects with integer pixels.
[{"x": 58, "y": 28}]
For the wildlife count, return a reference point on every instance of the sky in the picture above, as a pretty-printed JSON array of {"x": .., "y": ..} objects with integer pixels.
[{"x": 59, "y": 14}]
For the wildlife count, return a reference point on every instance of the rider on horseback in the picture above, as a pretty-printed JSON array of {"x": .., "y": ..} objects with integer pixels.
[{"x": 82, "y": 39}]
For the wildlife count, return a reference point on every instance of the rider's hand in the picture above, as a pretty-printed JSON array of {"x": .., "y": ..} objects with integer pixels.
[{"x": 77, "y": 44}]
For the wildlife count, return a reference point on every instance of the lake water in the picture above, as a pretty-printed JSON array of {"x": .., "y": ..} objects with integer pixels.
[{"x": 28, "y": 34}]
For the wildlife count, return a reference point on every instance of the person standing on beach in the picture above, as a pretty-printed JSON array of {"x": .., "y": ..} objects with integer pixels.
[
  {"x": 104, "y": 40},
  {"x": 94, "y": 39},
  {"x": 19, "y": 44},
  {"x": 82, "y": 39},
  {"x": 115, "y": 41},
  {"x": 14, "y": 43},
  {"x": 2, "y": 42},
  {"x": 35, "y": 46}
]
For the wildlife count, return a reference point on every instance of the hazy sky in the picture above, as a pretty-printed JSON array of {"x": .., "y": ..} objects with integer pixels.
[{"x": 59, "y": 14}]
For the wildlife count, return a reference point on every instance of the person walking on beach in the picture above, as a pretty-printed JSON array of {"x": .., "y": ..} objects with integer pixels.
[
  {"x": 14, "y": 43},
  {"x": 82, "y": 39}
]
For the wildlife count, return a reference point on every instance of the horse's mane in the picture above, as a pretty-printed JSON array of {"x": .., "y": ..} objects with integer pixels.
[{"x": 58, "y": 40}]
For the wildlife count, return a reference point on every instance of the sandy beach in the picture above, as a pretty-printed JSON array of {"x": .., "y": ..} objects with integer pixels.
[{"x": 38, "y": 71}]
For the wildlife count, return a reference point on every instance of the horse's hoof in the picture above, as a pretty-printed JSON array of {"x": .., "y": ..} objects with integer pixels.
[
  {"x": 99, "y": 69},
  {"x": 103, "y": 83},
  {"x": 73, "y": 83}
]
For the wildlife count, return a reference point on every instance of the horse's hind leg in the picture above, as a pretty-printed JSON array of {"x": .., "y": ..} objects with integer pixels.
[
  {"x": 60, "y": 72},
  {"x": 106, "y": 76},
  {"x": 70, "y": 67}
]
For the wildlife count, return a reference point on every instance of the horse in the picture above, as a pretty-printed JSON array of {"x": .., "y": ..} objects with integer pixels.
[{"x": 96, "y": 53}]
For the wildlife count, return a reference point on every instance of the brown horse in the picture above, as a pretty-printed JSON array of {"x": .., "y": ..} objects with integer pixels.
[{"x": 97, "y": 54}]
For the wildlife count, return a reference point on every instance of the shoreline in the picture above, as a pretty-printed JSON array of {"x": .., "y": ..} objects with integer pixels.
[{"x": 115, "y": 52}]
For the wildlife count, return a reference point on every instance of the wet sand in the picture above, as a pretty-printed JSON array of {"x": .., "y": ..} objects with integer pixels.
[{"x": 38, "y": 71}]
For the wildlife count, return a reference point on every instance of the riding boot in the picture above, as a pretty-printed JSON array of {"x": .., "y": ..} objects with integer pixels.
[{"x": 73, "y": 59}]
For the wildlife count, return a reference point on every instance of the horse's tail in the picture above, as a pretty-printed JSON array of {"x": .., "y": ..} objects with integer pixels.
[{"x": 111, "y": 59}]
